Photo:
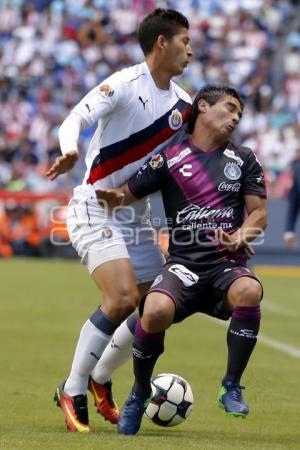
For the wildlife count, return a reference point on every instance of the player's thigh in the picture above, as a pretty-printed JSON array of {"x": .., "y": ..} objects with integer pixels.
[
  {"x": 234, "y": 285},
  {"x": 117, "y": 282},
  {"x": 145, "y": 255}
]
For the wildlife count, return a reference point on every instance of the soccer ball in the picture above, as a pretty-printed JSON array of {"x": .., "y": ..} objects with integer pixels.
[{"x": 171, "y": 402}]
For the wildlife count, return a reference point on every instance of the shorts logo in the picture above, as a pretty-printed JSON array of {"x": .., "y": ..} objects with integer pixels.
[
  {"x": 106, "y": 233},
  {"x": 157, "y": 280},
  {"x": 232, "y": 171},
  {"x": 156, "y": 162},
  {"x": 175, "y": 119},
  {"x": 185, "y": 275},
  {"x": 107, "y": 90}
]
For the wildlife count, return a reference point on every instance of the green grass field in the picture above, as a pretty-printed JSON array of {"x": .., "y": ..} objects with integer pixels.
[{"x": 44, "y": 303}]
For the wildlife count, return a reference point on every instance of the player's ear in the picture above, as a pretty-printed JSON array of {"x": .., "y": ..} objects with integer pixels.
[
  {"x": 161, "y": 42},
  {"x": 203, "y": 105}
]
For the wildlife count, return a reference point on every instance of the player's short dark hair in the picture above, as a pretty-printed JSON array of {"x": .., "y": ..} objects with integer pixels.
[
  {"x": 212, "y": 95},
  {"x": 161, "y": 21}
]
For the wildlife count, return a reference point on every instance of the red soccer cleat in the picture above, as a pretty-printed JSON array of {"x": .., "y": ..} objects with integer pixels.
[
  {"x": 74, "y": 409},
  {"x": 102, "y": 394}
]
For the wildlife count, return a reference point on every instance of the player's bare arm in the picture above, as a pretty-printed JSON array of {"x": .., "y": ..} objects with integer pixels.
[
  {"x": 253, "y": 225},
  {"x": 116, "y": 197}
]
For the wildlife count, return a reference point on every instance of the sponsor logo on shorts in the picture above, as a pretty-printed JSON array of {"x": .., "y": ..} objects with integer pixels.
[
  {"x": 179, "y": 157},
  {"x": 175, "y": 119},
  {"x": 185, "y": 275},
  {"x": 229, "y": 187},
  {"x": 232, "y": 171},
  {"x": 156, "y": 162},
  {"x": 107, "y": 90},
  {"x": 157, "y": 280}
]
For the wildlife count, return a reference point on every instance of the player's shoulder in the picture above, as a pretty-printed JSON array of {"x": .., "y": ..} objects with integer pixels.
[
  {"x": 132, "y": 73},
  {"x": 240, "y": 150},
  {"x": 181, "y": 93}
]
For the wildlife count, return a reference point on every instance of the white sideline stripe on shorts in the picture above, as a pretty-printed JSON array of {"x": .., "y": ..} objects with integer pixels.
[{"x": 273, "y": 343}]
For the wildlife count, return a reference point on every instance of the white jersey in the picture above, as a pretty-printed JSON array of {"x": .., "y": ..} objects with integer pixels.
[{"x": 134, "y": 117}]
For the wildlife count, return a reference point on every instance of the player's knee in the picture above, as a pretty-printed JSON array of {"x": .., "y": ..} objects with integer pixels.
[
  {"x": 156, "y": 319},
  {"x": 123, "y": 304},
  {"x": 245, "y": 292}
]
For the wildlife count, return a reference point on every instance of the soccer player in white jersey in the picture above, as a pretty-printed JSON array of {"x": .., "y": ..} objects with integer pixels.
[{"x": 136, "y": 110}]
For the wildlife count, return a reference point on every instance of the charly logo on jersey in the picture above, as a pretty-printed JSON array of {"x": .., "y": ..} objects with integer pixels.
[
  {"x": 229, "y": 187},
  {"x": 186, "y": 170},
  {"x": 175, "y": 119},
  {"x": 231, "y": 154},
  {"x": 185, "y": 275},
  {"x": 156, "y": 162},
  {"x": 232, "y": 171},
  {"x": 107, "y": 90},
  {"x": 178, "y": 158}
]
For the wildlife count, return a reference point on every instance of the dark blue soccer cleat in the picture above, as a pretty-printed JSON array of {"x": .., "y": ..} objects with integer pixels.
[
  {"x": 231, "y": 400},
  {"x": 131, "y": 414}
]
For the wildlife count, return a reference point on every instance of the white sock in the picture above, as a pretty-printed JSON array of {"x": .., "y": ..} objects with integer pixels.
[
  {"x": 90, "y": 346},
  {"x": 115, "y": 354}
]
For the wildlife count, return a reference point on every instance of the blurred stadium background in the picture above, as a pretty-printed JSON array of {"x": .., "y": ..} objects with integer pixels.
[{"x": 53, "y": 51}]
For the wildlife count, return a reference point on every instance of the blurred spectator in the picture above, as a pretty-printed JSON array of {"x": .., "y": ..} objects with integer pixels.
[
  {"x": 52, "y": 51},
  {"x": 289, "y": 236}
]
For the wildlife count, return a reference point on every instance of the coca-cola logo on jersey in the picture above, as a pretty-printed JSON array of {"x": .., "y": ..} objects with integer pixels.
[
  {"x": 229, "y": 187},
  {"x": 194, "y": 212}
]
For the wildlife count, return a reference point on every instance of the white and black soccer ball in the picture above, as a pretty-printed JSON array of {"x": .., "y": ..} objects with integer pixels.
[{"x": 172, "y": 400}]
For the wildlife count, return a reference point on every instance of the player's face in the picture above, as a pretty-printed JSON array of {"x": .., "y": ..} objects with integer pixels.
[
  {"x": 224, "y": 116},
  {"x": 178, "y": 52}
]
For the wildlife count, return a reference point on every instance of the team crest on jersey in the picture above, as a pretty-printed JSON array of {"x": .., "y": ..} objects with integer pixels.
[
  {"x": 175, "y": 119},
  {"x": 156, "y": 162},
  {"x": 232, "y": 171},
  {"x": 107, "y": 90}
]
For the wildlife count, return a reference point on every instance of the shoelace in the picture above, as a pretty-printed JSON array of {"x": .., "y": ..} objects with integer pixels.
[
  {"x": 235, "y": 391},
  {"x": 133, "y": 404}
]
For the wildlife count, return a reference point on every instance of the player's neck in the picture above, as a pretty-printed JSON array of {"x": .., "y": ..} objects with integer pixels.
[
  {"x": 206, "y": 142},
  {"x": 160, "y": 76}
]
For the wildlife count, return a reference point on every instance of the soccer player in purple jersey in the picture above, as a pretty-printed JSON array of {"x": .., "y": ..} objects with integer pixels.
[{"x": 206, "y": 183}]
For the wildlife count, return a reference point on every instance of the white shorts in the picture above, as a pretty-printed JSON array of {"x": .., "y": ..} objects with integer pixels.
[{"x": 99, "y": 237}]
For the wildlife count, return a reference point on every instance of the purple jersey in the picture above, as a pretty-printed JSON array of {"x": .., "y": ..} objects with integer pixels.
[{"x": 201, "y": 191}]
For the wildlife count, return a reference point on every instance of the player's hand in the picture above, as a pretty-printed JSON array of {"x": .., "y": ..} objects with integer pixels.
[
  {"x": 113, "y": 197},
  {"x": 233, "y": 242},
  {"x": 289, "y": 239},
  {"x": 62, "y": 164}
]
